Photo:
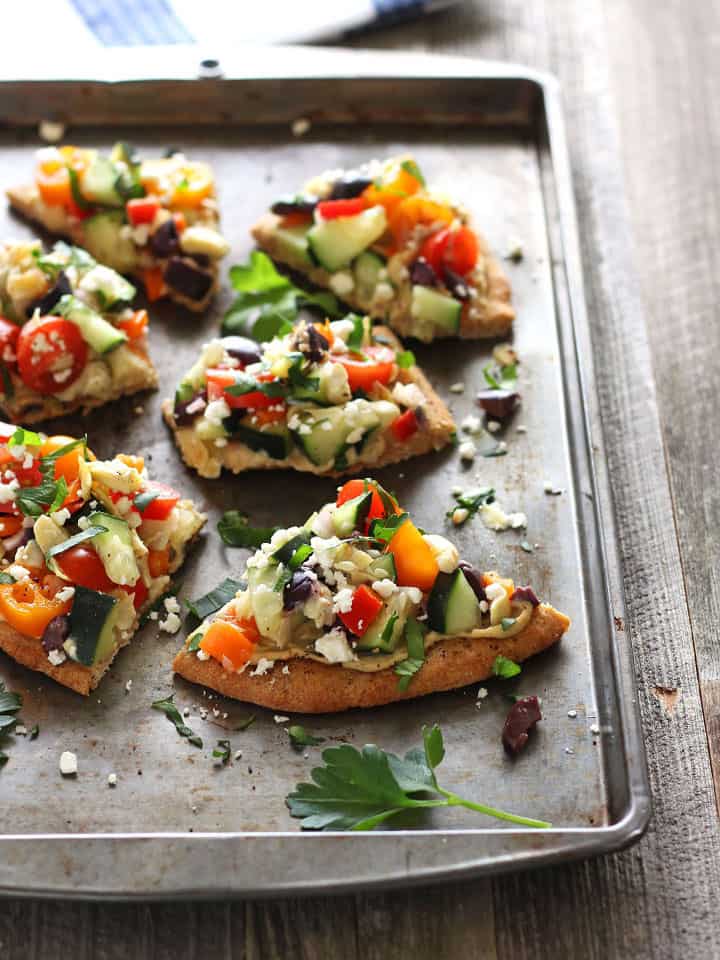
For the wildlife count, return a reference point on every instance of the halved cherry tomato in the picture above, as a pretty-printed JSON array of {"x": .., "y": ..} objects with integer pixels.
[
  {"x": 83, "y": 566},
  {"x": 298, "y": 218},
  {"x": 9, "y": 333},
  {"x": 142, "y": 210},
  {"x": 332, "y": 209},
  {"x": 218, "y": 380},
  {"x": 405, "y": 426},
  {"x": 136, "y": 325},
  {"x": 159, "y": 562},
  {"x": 162, "y": 506},
  {"x": 461, "y": 252},
  {"x": 29, "y": 607},
  {"x": 366, "y": 605},
  {"x": 194, "y": 183},
  {"x": 154, "y": 283},
  {"x": 228, "y": 643},
  {"x": 51, "y": 354},
  {"x": 363, "y": 373},
  {"x": 433, "y": 249},
  {"x": 9, "y": 526},
  {"x": 139, "y": 593},
  {"x": 68, "y": 465},
  {"x": 415, "y": 562}
]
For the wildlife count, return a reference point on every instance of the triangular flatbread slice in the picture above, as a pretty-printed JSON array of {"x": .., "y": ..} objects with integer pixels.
[
  {"x": 88, "y": 546},
  {"x": 155, "y": 219},
  {"x": 69, "y": 339},
  {"x": 359, "y": 608},
  {"x": 333, "y": 398},
  {"x": 390, "y": 247}
]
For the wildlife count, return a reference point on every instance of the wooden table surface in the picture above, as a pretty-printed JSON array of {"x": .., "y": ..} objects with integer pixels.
[{"x": 643, "y": 116}]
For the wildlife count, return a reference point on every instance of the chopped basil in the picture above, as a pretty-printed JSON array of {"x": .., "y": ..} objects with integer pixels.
[
  {"x": 143, "y": 500},
  {"x": 50, "y": 493},
  {"x": 411, "y": 167},
  {"x": 194, "y": 642},
  {"x": 211, "y": 602},
  {"x": 473, "y": 500},
  {"x": 222, "y": 752},
  {"x": 405, "y": 359},
  {"x": 173, "y": 714},
  {"x": 357, "y": 336},
  {"x": 10, "y": 703},
  {"x": 415, "y": 639},
  {"x": 384, "y": 529},
  {"x": 508, "y": 622},
  {"x": 504, "y": 667},
  {"x": 73, "y": 541},
  {"x": 235, "y": 531}
]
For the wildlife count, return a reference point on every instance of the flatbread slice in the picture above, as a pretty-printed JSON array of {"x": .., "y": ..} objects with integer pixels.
[
  {"x": 88, "y": 547},
  {"x": 359, "y": 608},
  {"x": 69, "y": 339},
  {"x": 392, "y": 248},
  {"x": 155, "y": 219},
  {"x": 331, "y": 399}
]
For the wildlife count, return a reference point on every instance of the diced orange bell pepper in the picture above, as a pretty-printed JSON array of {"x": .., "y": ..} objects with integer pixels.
[
  {"x": 68, "y": 465},
  {"x": 227, "y": 643},
  {"x": 9, "y": 526},
  {"x": 417, "y": 210},
  {"x": 136, "y": 325},
  {"x": 154, "y": 283},
  {"x": 415, "y": 562},
  {"x": 29, "y": 608},
  {"x": 194, "y": 183},
  {"x": 392, "y": 192},
  {"x": 159, "y": 562}
]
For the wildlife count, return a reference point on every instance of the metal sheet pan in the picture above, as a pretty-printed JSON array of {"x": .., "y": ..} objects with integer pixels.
[{"x": 175, "y": 825}]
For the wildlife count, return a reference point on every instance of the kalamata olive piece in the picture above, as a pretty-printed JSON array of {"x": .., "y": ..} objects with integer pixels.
[
  {"x": 46, "y": 303},
  {"x": 165, "y": 241},
  {"x": 286, "y": 205},
  {"x": 186, "y": 277},
  {"x": 56, "y": 633},
  {"x": 474, "y": 578},
  {"x": 499, "y": 404},
  {"x": 521, "y": 719},
  {"x": 456, "y": 285},
  {"x": 298, "y": 589},
  {"x": 186, "y": 412},
  {"x": 244, "y": 349},
  {"x": 422, "y": 273},
  {"x": 526, "y": 593},
  {"x": 348, "y": 188},
  {"x": 313, "y": 344}
]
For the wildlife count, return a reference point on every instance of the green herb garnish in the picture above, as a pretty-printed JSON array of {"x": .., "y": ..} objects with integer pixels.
[
  {"x": 87, "y": 534},
  {"x": 527, "y": 547},
  {"x": 360, "y": 790},
  {"x": 504, "y": 667},
  {"x": 10, "y": 703},
  {"x": 472, "y": 501},
  {"x": 211, "y": 602},
  {"x": 409, "y": 166},
  {"x": 385, "y": 528},
  {"x": 222, "y": 752},
  {"x": 507, "y": 622},
  {"x": 173, "y": 714},
  {"x": 415, "y": 640},
  {"x": 501, "y": 377},
  {"x": 235, "y": 531},
  {"x": 357, "y": 336},
  {"x": 405, "y": 359},
  {"x": 299, "y": 737},
  {"x": 50, "y": 493}
]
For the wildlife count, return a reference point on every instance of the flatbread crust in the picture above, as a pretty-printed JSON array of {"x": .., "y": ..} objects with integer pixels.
[
  {"x": 312, "y": 687},
  {"x": 493, "y": 316},
  {"x": 434, "y": 434},
  {"x": 83, "y": 680},
  {"x": 26, "y": 201}
]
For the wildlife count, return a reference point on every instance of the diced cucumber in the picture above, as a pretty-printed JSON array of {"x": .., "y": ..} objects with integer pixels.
[
  {"x": 115, "y": 549},
  {"x": 332, "y": 386},
  {"x": 435, "y": 310},
  {"x": 385, "y": 632},
  {"x": 452, "y": 605},
  {"x": 105, "y": 240},
  {"x": 287, "y": 551},
  {"x": 275, "y": 441},
  {"x": 293, "y": 244},
  {"x": 352, "y": 514},
  {"x": 92, "y": 626},
  {"x": 101, "y": 335},
  {"x": 107, "y": 285},
  {"x": 335, "y": 243},
  {"x": 267, "y": 604},
  {"x": 98, "y": 183},
  {"x": 383, "y": 568},
  {"x": 209, "y": 429},
  {"x": 366, "y": 269},
  {"x": 327, "y": 432}
]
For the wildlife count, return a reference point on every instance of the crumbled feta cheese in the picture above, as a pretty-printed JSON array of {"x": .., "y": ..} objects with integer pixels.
[
  {"x": 83, "y": 523},
  {"x": 471, "y": 424},
  {"x": 495, "y": 518},
  {"x": 482, "y": 693},
  {"x": 18, "y": 572},
  {"x": 216, "y": 411},
  {"x": 51, "y": 131},
  {"x": 594, "y": 729},
  {"x": 20, "y": 730},
  {"x": 493, "y": 426},
  {"x": 484, "y": 606},
  {"x": 342, "y": 283},
  {"x": 171, "y": 623},
  {"x": 572, "y": 714},
  {"x": 60, "y": 516},
  {"x": 343, "y": 600},
  {"x": 457, "y": 388},
  {"x": 467, "y": 450},
  {"x": 384, "y": 588},
  {"x": 262, "y": 667},
  {"x": 202, "y": 655},
  {"x": 64, "y": 594},
  {"x": 196, "y": 406},
  {"x": 550, "y": 488},
  {"x": 494, "y": 591},
  {"x": 171, "y": 604},
  {"x": 460, "y": 515},
  {"x": 409, "y": 395},
  {"x": 278, "y": 719},
  {"x": 8, "y": 491},
  {"x": 285, "y": 669},
  {"x": 112, "y": 780},
  {"x": 128, "y": 686},
  {"x": 300, "y": 126},
  {"x": 445, "y": 553},
  {"x": 383, "y": 293},
  {"x": 334, "y": 646},
  {"x": 521, "y": 428},
  {"x": 68, "y": 764},
  {"x": 413, "y": 594},
  {"x": 56, "y": 657}
]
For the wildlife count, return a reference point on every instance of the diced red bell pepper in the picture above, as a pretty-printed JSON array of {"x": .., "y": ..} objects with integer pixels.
[
  {"x": 161, "y": 507},
  {"x": 366, "y": 605},
  {"x": 142, "y": 210},
  {"x": 331, "y": 209},
  {"x": 405, "y": 426},
  {"x": 217, "y": 382}
]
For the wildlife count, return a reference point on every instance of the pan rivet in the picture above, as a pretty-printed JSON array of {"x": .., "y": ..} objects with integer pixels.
[{"x": 210, "y": 69}]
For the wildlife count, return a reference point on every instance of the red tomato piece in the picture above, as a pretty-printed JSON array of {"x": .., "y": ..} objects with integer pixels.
[
  {"x": 142, "y": 210},
  {"x": 332, "y": 209},
  {"x": 355, "y": 488},
  {"x": 51, "y": 354},
  {"x": 83, "y": 566},
  {"x": 374, "y": 365},
  {"x": 461, "y": 251},
  {"x": 139, "y": 593},
  {"x": 405, "y": 426},
  {"x": 433, "y": 249},
  {"x": 9, "y": 333},
  {"x": 217, "y": 382},
  {"x": 161, "y": 507},
  {"x": 366, "y": 605}
]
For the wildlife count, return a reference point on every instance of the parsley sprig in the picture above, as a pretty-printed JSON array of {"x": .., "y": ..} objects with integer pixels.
[
  {"x": 504, "y": 667},
  {"x": 362, "y": 789},
  {"x": 50, "y": 493},
  {"x": 268, "y": 303},
  {"x": 10, "y": 703},
  {"x": 501, "y": 377}
]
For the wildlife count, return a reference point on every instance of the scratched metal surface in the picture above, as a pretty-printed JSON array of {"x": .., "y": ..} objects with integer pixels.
[{"x": 167, "y": 786}]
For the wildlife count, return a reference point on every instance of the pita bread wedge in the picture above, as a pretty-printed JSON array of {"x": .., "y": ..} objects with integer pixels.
[
  {"x": 330, "y": 399},
  {"x": 104, "y": 542},
  {"x": 390, "y": 247},
  {"x": 155, "y": 219},
  {"x": 358, "y": 608},
  {"x": 69, "y": 339}
]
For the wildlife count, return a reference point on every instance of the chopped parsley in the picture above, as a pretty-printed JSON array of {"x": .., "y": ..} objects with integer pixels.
[
  {"x": 235, "y": 531},
  {"x": 299, "y": 737},
  {"x": 472, "y": 501},
  {"x": 222, "y": 752},
  {"x": 49, "y": 494},
  {"x": 405, "y": 359},
  {"x": 415, "y": 639},
  {"x": 173, "y": 714},
  {"x": 504, "y": 667}
]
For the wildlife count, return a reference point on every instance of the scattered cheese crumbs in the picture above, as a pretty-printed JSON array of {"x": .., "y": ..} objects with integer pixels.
[
  {"x": 203, "y": 713},
  {"x": 51, "y": 131},
  {"x": 56, "y": 657},
  {"x": 278, "y": 719},
  {"x": 460, "y": 515},
  {"x": 139, "y": 410},
  {"x": 18, "y": 572},
  {"x": 300, "y": 127},
  {"x": 60, "y": 516},
  {"x": 128, "y": 686},
  {"x": 471, "y": 424},
  {"x": 482, "y": 693},
  {"x": 334, "y": 646},
  {"x": 495, "y": 518},
  {"x": 521, "y": 428},
  {"x": 456, "y": 491},
  {"x": 550, "y": 488},
  {"x": 457, "y": 388},
  {"x": 238, "y": 754},
  {"x": 172, "y": 622},
  {"x": 186, "y": 712},
  {"x": 20, "y": 730},
  {"x": 343, "y": 600},
  {"x": 514, "y": 251},
  {"x": 493, "y": 426},
  {"x": 112, "y": 780},
  {"x": 216, "y": 712},
  {"x": 286, "y": 669},
  {"x": 83, "y": 523},
  {"x": 501, "y": 447},
  {"x": 203, "y": 655},
  {"x": 66, "y": 593},
  {"x": 569, "y": 750},
  {"x": 572, "y": 714},
  {"x": 262, "y": 667},
  {"x": 221, "y": 442},
  {"x": 68, "y": 764},
  {"x": 154, "y": 615},
  {"x": 467, "y": 450},
  {"x": 594, "y": 729},
  {"x": 385, "y": 588}
]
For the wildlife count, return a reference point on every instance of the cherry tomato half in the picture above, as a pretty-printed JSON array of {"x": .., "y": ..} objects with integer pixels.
[
  {"x": 161, "y": 507},
  {"x": 331, "y": 209},
  {"x": 217, "y": 382},
  {"x": 455, "y": 249},
  {"x": 9, "y": 333},
  {"x": 375, "y": 365},
  {"x": 83, "y": 566},
  {"x": 51, "y": 354}
]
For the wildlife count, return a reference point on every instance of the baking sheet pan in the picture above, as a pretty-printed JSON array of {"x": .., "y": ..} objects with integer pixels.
[{"x": 176, "y": 825}]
